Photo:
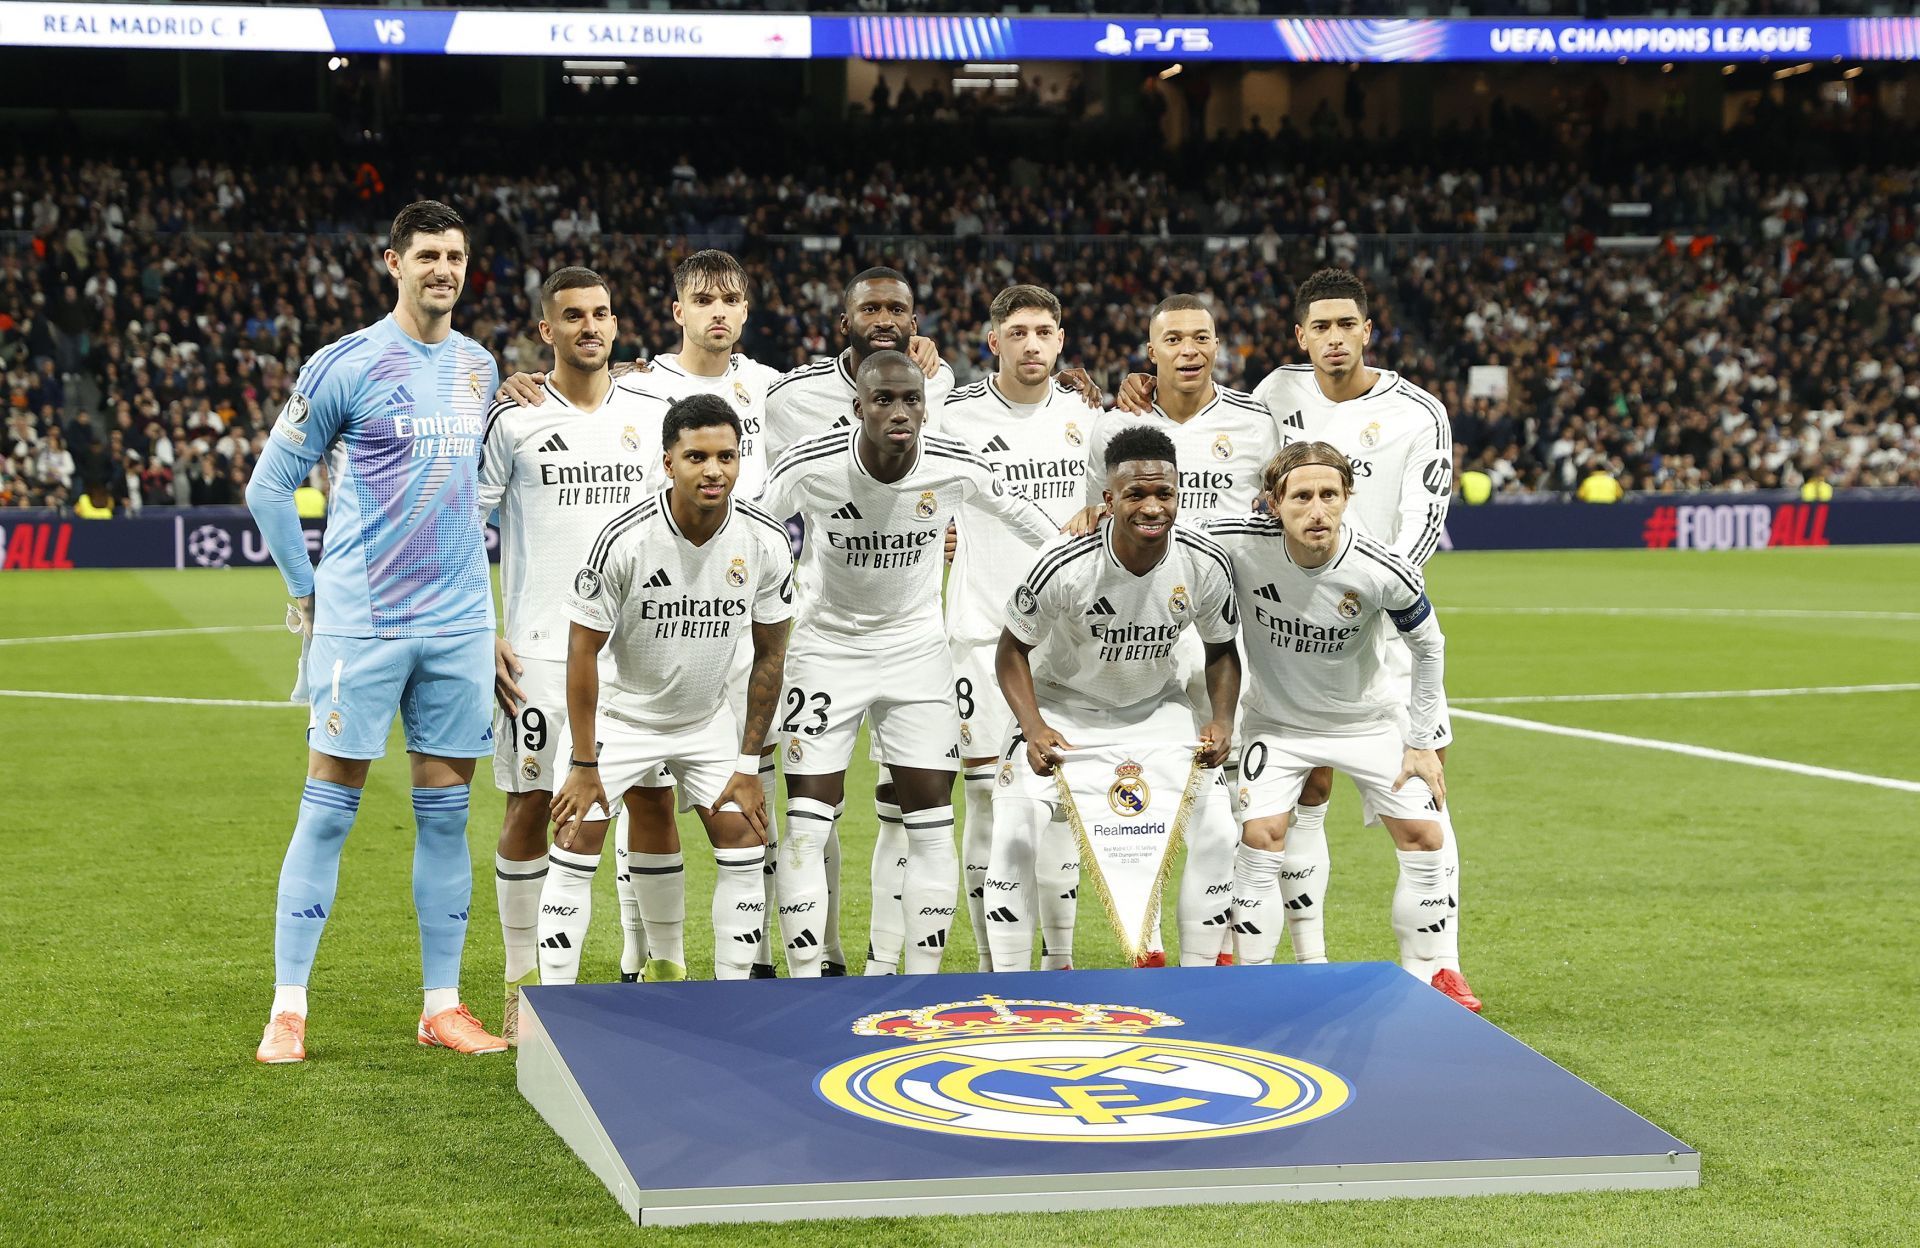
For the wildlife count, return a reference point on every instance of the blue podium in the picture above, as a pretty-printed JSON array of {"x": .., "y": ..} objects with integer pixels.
[{"x": 774, "y": 1100}]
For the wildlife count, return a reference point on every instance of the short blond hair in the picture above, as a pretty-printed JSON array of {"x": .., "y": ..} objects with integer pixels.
[{"x": 1303, "y": 455}]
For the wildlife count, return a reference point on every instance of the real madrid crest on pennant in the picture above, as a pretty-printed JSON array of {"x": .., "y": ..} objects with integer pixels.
[
  {"x": 1128, "y": 795},
  {"x": 1349, "y": 607},
  {"x": 925, "y": 508},
  {"x": 1370, "y": 436},
  {"x": 737, "y": 573},
  {"x": 630, "y": 438}
]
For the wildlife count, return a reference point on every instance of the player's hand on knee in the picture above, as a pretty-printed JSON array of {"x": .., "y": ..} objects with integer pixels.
[
  {"x": 1215, "y": 740},
  {"x": 1045, "y": 750},
  {"x": 524, "y": 389},
  {"x": 1425, "y": 764},
  {"x": 1136, "y": 394},
  {"x": 743, "y": 790},
  {"x": 579, "y": 793},
  {"x": 506, "y": 671},
  {"x": 1085, "y": 521},
  {"x": 924, "y": 354},
  {"x": 1077, "y": 380}
]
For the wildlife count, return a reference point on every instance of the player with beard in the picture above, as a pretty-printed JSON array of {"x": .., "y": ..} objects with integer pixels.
[
  {"x": 867, "y": 646},
  {"x": 1400, "y": 443}
]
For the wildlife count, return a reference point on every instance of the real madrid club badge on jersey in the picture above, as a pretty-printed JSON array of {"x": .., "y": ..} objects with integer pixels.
[{"x": 1128, "y": 806}]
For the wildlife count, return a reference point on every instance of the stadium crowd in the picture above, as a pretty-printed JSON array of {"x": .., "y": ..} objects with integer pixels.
[{"x": 153, "y": 311}]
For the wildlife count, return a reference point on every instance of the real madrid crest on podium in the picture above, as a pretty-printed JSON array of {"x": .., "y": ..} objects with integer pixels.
[{"x": 767, "y": 1100}]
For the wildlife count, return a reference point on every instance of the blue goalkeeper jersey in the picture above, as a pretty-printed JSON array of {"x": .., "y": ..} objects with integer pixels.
[{"x": 400, "y": 423}]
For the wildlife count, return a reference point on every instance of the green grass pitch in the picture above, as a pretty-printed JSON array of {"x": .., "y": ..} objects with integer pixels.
[{"x": 1728, "y": 950}]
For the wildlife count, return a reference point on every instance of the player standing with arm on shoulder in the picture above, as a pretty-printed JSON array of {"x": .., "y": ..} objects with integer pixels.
[
  {"x": 399, "y": 613},
  {"x": 1400, "y": 444},
  {"x": 558, "y": 471},
  {"x": 672, "y": 583},
  {"x": 1030, "y": 428},
  {"x": 876, "y": 500},
  {"x": 1090, "y": 656},
  {"x": 1316, "y": 595}
]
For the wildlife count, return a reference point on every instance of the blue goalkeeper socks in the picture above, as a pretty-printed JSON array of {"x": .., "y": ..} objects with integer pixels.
[
  {"x": 442, "y": 882},
  {"x": 309, "y": 875}
]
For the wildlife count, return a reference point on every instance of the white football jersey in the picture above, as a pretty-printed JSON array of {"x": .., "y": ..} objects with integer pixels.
[
  {"x": 558, "y": 474},
  {"x": 1038, "y": 449},
  {"x": 819, "y": 396},
  {"x": 744, "y": 385},
  {"x": 1222, "y": 450},
  {"x": 1399, "y": 441},
  {"x": 875, "y": 551},
  {"x": 1104, "y": 638},
  {"x": 1315, "y": 637},
  {"x": 676, "y": 610}
]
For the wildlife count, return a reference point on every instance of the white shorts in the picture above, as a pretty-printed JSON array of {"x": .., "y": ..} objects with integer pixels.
[
  {"x": 1161, "y": 719},
  {"x": 699, "y": 758},
  {"x": 906, "y": 697},
  {"x": 986, "y": 721},
  {"x": 530, "y": 749},
  {"x": 1274, "y": 763}
]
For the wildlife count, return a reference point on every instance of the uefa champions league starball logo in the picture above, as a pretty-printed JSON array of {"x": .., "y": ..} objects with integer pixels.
[
  {"x": 210, "y": 546},
  {"x": 1064, "y": 1073}
]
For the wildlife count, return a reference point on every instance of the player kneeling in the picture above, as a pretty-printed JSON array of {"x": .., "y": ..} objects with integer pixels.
[
  {"x": 1312, "y": 596},
  {"x": 671, "y": 583}
]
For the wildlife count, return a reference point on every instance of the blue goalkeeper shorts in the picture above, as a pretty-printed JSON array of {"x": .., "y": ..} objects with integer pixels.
[{"x": 441, "y": 687}]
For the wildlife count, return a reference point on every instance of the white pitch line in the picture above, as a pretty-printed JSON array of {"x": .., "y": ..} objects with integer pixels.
[
  {"x": 52, "y": 695},
  {"x": 149, "y": 632},
  {"x": 1757, "y": 613},
  {"x": 1694, "y": 751},
  {"x": 1686, "y": 695}
]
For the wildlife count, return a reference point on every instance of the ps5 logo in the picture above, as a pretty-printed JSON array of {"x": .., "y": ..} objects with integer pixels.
[
  {"x": 390, "y": 29},
  {"x": 1154, "y": 39}
]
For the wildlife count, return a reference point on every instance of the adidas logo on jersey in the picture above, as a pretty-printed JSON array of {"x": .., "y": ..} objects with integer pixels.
[
  {"x": 1295, "y": 421},
  {"x": 1268, "y": 592},
  {"x": 998, "y": 444},
  {"x": 552, "y": 444},
  {"x": 849, "y": 512},
  {"x": 1102, "y": 607},
  {"x": 401, "y": 397},
  {"x": 658, "y": 580}
]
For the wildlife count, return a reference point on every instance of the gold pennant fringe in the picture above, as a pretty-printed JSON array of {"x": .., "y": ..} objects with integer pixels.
[{"x": 1089, "y": 863}]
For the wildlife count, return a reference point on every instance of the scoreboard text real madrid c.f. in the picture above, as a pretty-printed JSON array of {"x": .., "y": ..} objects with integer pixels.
[{"x": 1061, "y": 1090}]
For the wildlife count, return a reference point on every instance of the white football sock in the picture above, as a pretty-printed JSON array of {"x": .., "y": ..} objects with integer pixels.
[
  {"x": 1258, "y": 911},
  {"x": 438, "y": 1001},
  {"x": 739, "y": 910},
  {"x": 1056, "y": 883},
  {"x": 886, "y": 928},
  {"x": 660, "y": 888},
  {"x": 1449, "y": 956},
  {"x": 516, "y": 891},
  {"x": 1016, "y": 829},
  {"x": 1303, "y": 882},
  {"x": 830, "y": 947},
  {"x": 1421, "y": 911},
  {"x": 566, "y": 903},
  {"x": 1204, "y": 910},
  {"x": 769, "y": 786},
  {"x": 976, "y": 846},
  {"x": 931, "y": 889},
  {"x": 803, "y": 884},
  {"x": 633, "y": 939},
  {"x": 289, "y": 999}
]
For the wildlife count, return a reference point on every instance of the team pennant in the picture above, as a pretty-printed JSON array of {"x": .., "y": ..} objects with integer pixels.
[{"x": 1128, "y": 806}]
